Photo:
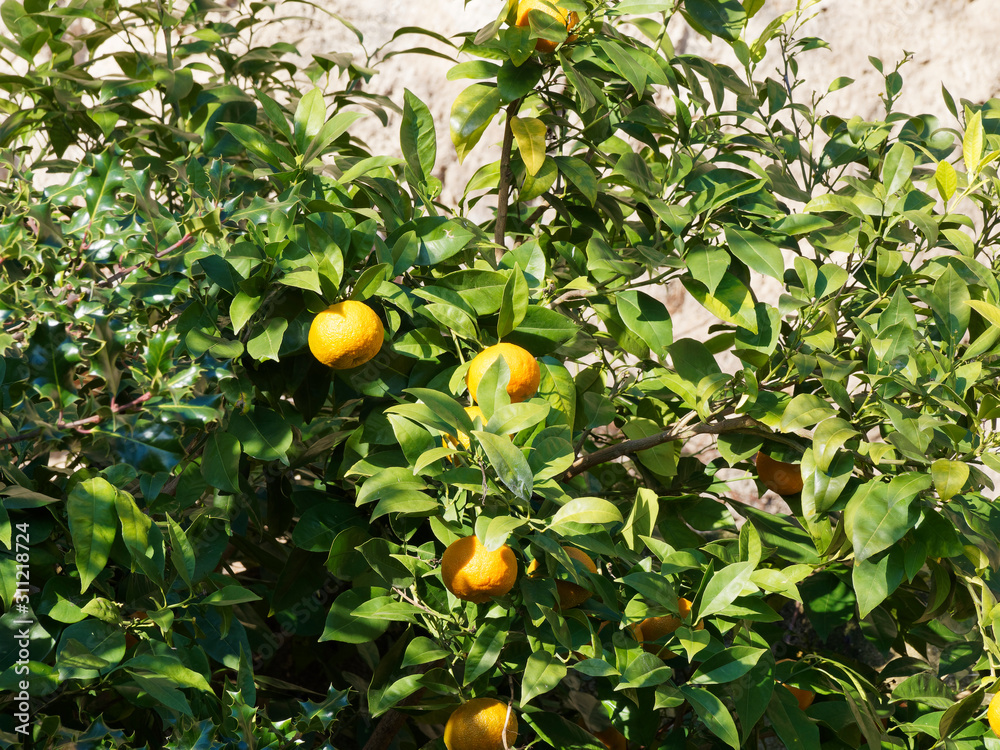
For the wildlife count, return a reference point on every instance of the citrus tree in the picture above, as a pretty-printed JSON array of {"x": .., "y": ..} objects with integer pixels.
[{"x": 295, "y": 454}]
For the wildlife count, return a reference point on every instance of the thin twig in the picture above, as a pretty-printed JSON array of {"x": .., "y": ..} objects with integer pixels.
[
  {"x": 503, "y": 187},
  {"x": 116, "y": 277},
  {"x": 676, "y": 432},
  {"x": 77, "y": 424}
]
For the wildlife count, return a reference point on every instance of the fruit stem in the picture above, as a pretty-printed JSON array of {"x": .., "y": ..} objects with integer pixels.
[{"x": 503, "y": 187}]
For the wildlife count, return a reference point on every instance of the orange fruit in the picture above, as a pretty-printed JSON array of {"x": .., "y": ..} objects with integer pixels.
[
  {"x": 570, "y": 594},
  {"x": 778, "y": 476},
  {"x": 346, "y": 335},
  {"x": 567, "y": 18},
  {"x": 474, "y": 574},
  {"x": 525, "y": 374},
  {"x": 654, "y": 628},
  {"x": 480, "y": 724},
  {"x": 993, "y": 714},
  {"x": 804, "y": 697},
  {"x": 612, "y": 739}
]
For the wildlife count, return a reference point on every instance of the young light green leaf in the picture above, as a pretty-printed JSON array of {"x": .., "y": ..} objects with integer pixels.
[
  {"x": 972, "y": 143},
  {"x": 949, "y": 477}
]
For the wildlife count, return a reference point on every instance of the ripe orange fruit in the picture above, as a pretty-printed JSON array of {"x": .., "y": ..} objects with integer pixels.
[
  {"x": 474, "y": 574},
  {"x": 612, "y": 739},
  {"x": 346, "y": 335},
  {"x": 570, "y": 594},
  {"x": 654, "y": 628},
  {"x": 557, "y": 12},
  {"x": 778, "y": 476},
  {"x": 525, "y": 374},
  {"x": 804, "y": 697},
  {"x": 479, "y": 724},
  {"x": 993, "y": 714}
]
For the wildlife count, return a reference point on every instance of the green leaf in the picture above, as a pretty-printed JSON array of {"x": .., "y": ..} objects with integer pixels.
[
  {"x": 723, "y": 18},
  {"x": 485, "y": 650},
  {"x": 623, "y": 62},
  {"x": 512, "y": 418},
  {"x": 648, "y": 318},
  {"x": 515, "y": 81},
  {"x": 880, "y": 513},
  {"x": 642, "y": 519},
  {"x": 875, "y": 580},
  {"x": 708, "y": 265},
  {"x": 220, "y": 463},
  {"x": 536, "y": 184},
  {"x": 790, "y": 723},
  {"x": 171, "y": 668},
  {"x": 805, "y": 410},
  {"x": 90, "y": 509},
  {"x": 265, "y": 345},
  {"x": 562, "y": 733},
  {"x": 182, "y": 554},
  {"x": 135, "y": 526},
  {"x": 949, "y": 477},
  {"x": 310, "y": 114},
  {"x": 417, "y": 137},
  {"x": 543, "y": 330},
  {"x": 580, "y": 175},
  {"x": 897, "y": 167},
  {"x": 713, "y": 713},
  {"x": 586, "y": 510},
  {"x": 514, "y": 304},
  {"x": 163, "y": 692},
  {"x": 472, "y": 112},
  {"x": 542, "y": 673},
  {"x": 264, "y": 434},
  {"x": 258, "y": 144},
  {"x": 724, "y": 586},
  {"x": 475, "y": 69},
  {"x": 242, "y": 309},
  {"x": 332, "y": 129},
  {"x": 229, "y": 595},
  {"x": 508, "y": 462},
  {"x": 494, "y": 532},
  {"x": 731, "y": 302},
  {"x": 951, "y": 306},
  {"x": 829, "y": 438},
  {"x": 760, "y": 255},
  {"x": 727, "y": 666},
  {"x": 529, "y": 133}
]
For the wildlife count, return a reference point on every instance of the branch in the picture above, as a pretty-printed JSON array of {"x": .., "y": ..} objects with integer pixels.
[
  {"x": 678, "y": 432},
  {"x": 78, "y": 423},
  {"x": 116, "y": 277},
  {"x": 503, "y": 187}
]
